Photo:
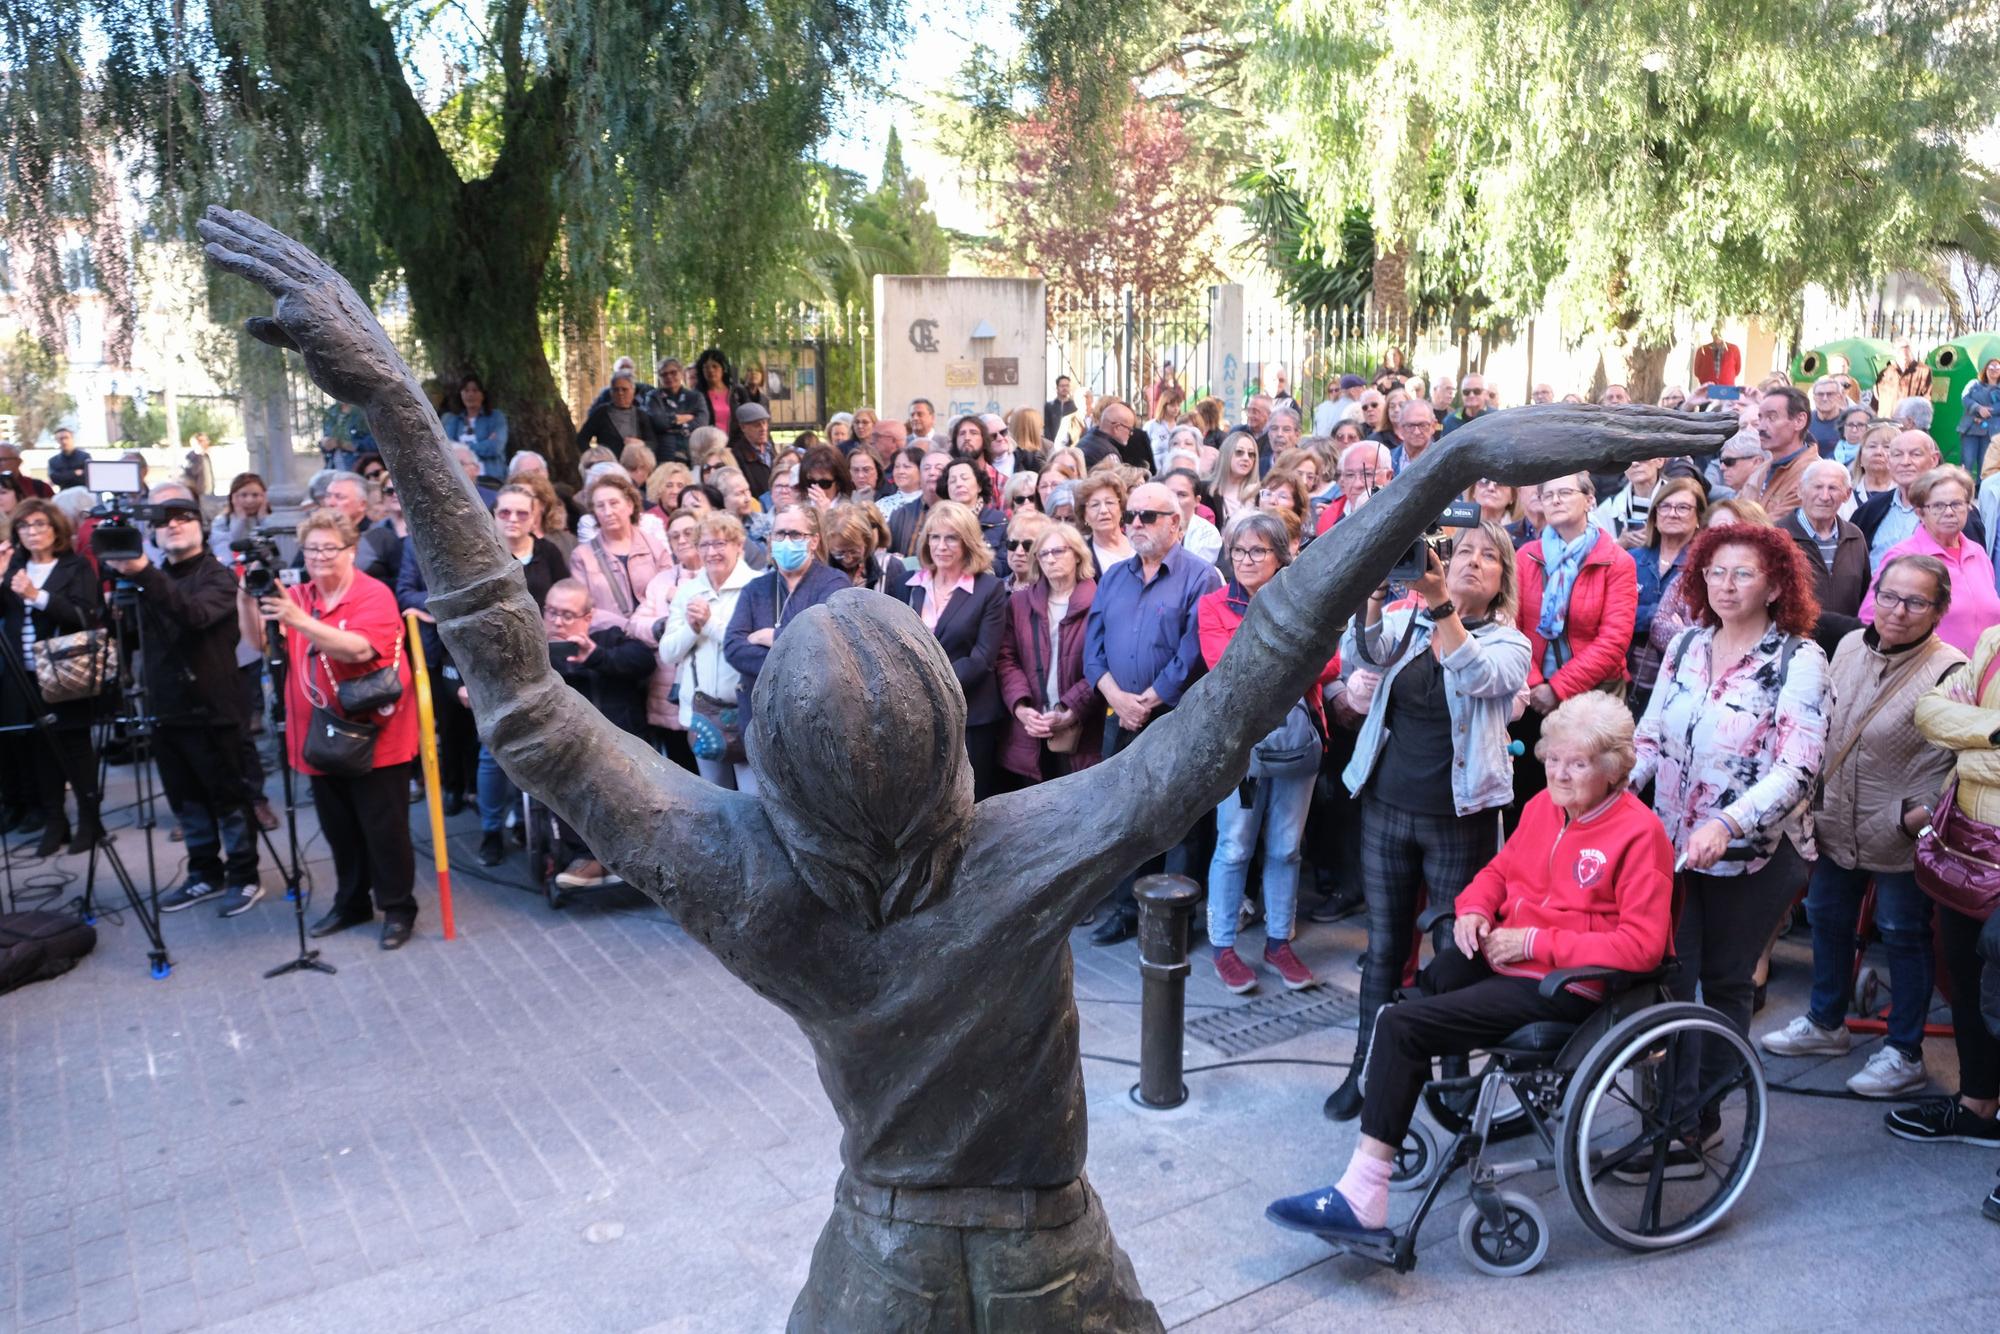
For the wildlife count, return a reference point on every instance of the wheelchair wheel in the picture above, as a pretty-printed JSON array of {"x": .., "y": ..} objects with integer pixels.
[
  {"x": 1417, "y": 1159},
  {"x": 1867, "y": 990},
  {"x": 1453, "y": 1110},
  {"x": 1513, "y": 1248},
  {"x": 1641, "y": 1094}
]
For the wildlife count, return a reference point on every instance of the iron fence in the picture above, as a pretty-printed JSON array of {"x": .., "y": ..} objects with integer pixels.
[
  {"x": 1122, "y": 342},
  {"x": 1314, "y": 348},
  {"x": 811, "y": 361}
]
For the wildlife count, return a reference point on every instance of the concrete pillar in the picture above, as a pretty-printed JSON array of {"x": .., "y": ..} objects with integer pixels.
[{"x": 1225, "y": 348}]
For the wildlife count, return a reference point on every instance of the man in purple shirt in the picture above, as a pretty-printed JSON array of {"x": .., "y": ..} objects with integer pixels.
[{"x": 1140, "y": 648}]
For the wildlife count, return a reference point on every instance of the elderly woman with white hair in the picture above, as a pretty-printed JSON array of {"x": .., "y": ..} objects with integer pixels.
[{"x": 1587, "y": 881}]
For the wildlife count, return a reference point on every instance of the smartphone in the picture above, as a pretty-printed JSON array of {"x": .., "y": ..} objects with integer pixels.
[{"x": 562, "y": 651}]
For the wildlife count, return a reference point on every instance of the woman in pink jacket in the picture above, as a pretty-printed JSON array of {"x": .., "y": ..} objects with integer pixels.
[{"x": 1586, "y": 880}]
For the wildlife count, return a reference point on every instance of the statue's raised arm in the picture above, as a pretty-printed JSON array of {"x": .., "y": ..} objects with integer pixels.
[
  {"x": 1078, "y": 834},
  {"x": 630, "y": 807}
]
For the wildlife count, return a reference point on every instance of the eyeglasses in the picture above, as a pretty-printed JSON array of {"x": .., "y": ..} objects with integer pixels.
[
  {"x": 1020, "y": 544},
  {"x": 1559, "y": 493},
  {"x": 1677, "y": 507},
  {"x": 179, "y": 516},
  {"x": 789, "y": 535},
  {"x": 32, "y": 525},
  {"x": 1730, "y": 460},
  {"x": 1249, "y": 553},
  {"x": 558, "y": 614},
  {"x": 1918, "y": 606},
  {"x": 822, "y": 483},
  {"x": 324, "y": 553},
  {"x": 1719, "y": 574},
  {"x": 1146, "y": 517},
  {"x": 713, "y": 544},
  {"x": 1058, "y": 550},
  {"x": 1947, "y": 507}
]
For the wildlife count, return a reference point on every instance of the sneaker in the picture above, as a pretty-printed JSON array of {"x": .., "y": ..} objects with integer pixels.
[
  {"x": 1279, "y": 955},
  {"x": 1888, "y": 1074},
  {"x": 1943, "y": 1121},
  {"x": 241, "y": 900},
  {"x": 189, "y": 894},
  {"x": 583, "y": 873},
  {"x": 1684, "y": 1160},
  {"x": 1803, "y": 1037},
  {"x": 1233, "y": 972},
  {"x": 491, "y": 851}
]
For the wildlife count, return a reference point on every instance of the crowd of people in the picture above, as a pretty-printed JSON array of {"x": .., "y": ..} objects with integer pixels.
[{"x": 1755, "y": 676}]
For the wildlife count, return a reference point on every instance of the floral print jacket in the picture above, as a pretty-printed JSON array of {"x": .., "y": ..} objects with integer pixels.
[{"x": 1740, "y": 745}]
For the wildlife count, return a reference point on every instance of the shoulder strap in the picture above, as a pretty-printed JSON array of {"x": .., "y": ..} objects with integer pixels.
[
  {"x": 1785, "y": 660},
  {"x": 1679, "y": 648},
  {"x": 1986, "y": 677}
]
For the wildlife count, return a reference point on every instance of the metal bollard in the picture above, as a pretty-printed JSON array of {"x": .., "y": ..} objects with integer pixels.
[{"x": 1165, "y": 904}]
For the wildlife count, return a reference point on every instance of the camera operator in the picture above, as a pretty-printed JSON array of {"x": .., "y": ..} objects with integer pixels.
[
  {"x": 49, "y": 590},
  {"x": 341, "y": 624},
  {"x": 189, "y": 633},
  {"x": 608, "y": 668}
]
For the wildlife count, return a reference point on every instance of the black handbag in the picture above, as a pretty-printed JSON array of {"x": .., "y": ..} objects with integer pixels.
[
  {"x": 339, "y": 747},
  {"x": 335, "y": 745},
  {"x": 373, "y": 690}
]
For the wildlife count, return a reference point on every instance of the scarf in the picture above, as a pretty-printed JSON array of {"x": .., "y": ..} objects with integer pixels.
[{"x": 1560, "y": 564}]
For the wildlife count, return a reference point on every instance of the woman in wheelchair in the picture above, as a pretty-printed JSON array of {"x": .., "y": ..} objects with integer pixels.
[{"x": 1586, "y": 880}]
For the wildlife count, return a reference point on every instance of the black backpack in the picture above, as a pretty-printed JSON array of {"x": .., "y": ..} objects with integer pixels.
[{"x": 35, "y": 946}]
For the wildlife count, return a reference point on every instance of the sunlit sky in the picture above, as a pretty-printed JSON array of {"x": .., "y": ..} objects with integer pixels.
[{"x": 940, "y": 37}]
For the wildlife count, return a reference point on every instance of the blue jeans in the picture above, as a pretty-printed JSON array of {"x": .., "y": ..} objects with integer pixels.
[
  {"x": 1277, "y": 815},
  {"x": 1902, "y": 916},
  {"x": 496, "y": 793}
]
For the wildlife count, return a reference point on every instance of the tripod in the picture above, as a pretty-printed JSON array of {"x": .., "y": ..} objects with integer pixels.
[
  {"x": 137, "y": 721},
  {"x": 279, "y": 665},
  {"x": 44, "y": 724}
]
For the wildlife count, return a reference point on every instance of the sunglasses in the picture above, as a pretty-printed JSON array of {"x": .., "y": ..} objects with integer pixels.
[
  {"x": 1020, "y": 544},
  {"x": 822, "y": 483},
  {"x": 1147, "y": 517}
]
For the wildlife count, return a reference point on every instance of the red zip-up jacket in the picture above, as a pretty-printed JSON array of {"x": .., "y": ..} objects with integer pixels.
[
  {"x": 1595, "y": 892},
  {"x": 1603, "y": 607}
]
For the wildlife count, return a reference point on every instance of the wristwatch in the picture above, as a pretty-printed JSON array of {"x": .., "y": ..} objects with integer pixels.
[{"x": 1444, "y": 609}]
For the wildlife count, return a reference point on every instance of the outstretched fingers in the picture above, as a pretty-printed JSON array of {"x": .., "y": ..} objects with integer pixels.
[
  {"x": 249, "y": 266},
  {"x": 248, "y": 235}
]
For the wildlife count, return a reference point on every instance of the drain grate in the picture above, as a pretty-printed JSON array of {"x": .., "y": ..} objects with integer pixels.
[{"x": 1273, "y": 1019}]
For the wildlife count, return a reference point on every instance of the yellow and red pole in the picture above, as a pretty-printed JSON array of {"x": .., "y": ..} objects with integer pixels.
[{"x": 427, "y": 732}]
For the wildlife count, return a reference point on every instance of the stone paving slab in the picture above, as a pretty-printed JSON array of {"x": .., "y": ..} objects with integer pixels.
[{"x": 577, "y": 1120}]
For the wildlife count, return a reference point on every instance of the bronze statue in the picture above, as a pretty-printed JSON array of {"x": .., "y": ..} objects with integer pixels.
[{"x": 920, "y": 942}]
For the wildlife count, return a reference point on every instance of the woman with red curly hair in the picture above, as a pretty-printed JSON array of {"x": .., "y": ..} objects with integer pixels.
[{"x": 1731, "y": 740}]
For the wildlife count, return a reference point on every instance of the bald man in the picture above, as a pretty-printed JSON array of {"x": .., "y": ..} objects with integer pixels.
[{"x": 1890, "y": 517}]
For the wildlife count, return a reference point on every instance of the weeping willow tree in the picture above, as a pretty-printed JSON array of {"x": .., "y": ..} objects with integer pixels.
[
  {"x": 505, "y": 162},
  {"x": 1636, "y": 160}
]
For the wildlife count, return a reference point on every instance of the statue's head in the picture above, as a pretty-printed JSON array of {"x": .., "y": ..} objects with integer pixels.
[{"x": 858, "y": 744}]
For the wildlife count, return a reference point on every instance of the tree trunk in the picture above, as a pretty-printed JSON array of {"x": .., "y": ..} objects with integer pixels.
[{"x": 1645, "y": 371}]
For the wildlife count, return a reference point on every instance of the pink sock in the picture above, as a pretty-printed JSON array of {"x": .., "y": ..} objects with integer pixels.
[{"x": 1365, "y": 1187}]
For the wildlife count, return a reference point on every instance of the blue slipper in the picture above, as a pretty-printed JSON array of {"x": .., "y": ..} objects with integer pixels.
[{"x": 1324, "y": 1213}]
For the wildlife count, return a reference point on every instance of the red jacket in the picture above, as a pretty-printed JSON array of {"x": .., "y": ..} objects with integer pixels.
[
  {"x": 1330, "y": 514},
  {"x": 1217, "y": 617},
  {"x": 1592, "y": 892},
  {"x": 1603, "y": 606}
]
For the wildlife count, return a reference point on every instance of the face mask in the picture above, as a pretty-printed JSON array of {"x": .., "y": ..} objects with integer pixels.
[{"x": 789, "y": 553}]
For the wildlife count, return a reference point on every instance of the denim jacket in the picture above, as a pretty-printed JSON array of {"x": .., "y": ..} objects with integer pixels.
[{"x": 1481, "y": 680}]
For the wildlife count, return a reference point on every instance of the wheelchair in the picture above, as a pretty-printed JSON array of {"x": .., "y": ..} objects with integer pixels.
[{"x": 1603, "y": 1103}]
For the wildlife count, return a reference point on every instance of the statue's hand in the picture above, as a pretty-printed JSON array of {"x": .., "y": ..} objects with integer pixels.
[
  {"x": 1534, "y": 443},
  {"x": 318, "y": 314}
]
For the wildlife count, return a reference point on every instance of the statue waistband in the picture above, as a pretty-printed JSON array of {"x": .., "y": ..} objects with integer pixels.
[{"x": 1023, "y": 1209}]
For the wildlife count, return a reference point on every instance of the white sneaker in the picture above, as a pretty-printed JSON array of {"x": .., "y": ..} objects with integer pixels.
[
  {"x": 1803, "y": 1037},
  {"x": 1889, "y": 1074}
]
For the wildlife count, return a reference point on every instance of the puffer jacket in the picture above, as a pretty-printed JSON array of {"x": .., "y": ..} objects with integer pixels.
[
  {"x": 1859, "y": 823},
  {"x": 1952, "y": 716}
]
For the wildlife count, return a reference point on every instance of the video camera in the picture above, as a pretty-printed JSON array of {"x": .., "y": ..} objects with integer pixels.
[
  {"x": 263, "y": 564},
  {"x": 117, "y": 535},
  {"x": 1458, "y": 514}
]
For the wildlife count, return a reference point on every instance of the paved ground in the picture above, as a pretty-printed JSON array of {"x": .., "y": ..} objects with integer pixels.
[{"x": 578, "y": 1121}]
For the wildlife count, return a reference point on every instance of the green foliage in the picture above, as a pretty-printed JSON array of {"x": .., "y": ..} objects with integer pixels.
[
  {"x": 1636, "y": 159},
  {"x": 1311, "y": 276},
  {"x": 31, "y": 388},
  {"x": 146, "y": 427},
  {"x": 506, "y": 160}
]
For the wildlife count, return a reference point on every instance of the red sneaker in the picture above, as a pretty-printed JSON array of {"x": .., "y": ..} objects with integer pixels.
[
  {"x": 1280, "y": 957},
  {"x": 1235, "y": 973}
]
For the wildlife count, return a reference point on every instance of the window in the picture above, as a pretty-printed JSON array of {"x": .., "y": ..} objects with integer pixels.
[{"x": 78, "y": 272}]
